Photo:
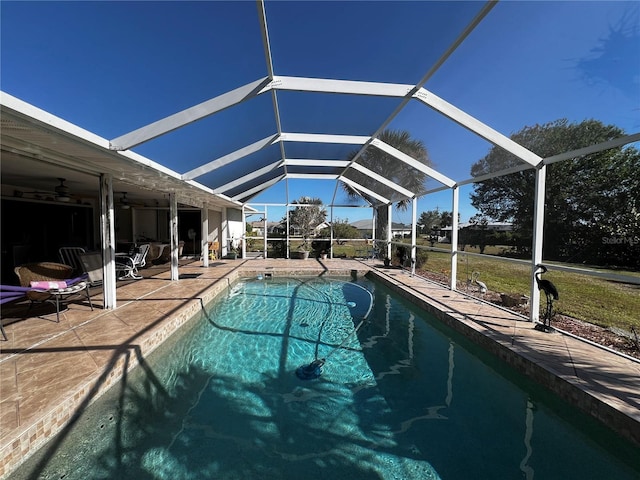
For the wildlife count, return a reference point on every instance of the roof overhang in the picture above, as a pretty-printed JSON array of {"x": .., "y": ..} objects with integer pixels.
[{"x": 35, "y": 144}]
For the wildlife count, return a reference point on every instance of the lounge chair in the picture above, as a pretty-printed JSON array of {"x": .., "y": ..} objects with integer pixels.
[
  {"x": 51, "y": 282},
  {"x": 127, "y": 264},
  {"x": 163, "y": 258},
  {"x": 8, "y": 294}
]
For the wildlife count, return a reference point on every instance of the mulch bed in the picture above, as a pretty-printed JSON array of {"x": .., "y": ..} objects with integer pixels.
[{"x": 599, "y": 335}]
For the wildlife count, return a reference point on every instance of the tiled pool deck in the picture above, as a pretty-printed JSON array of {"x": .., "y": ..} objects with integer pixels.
[{"x": 49, "y": 371}]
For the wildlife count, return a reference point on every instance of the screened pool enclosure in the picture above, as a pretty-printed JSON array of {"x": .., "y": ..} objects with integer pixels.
[{"x": 237, "y": 110}]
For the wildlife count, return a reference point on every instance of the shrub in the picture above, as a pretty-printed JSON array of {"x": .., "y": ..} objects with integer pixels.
[{"x": 421, "y": 257}]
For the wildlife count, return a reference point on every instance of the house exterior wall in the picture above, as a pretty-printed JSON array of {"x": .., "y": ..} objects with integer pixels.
[
  {"x": 215, "y": 221},
  {"x": 235, "y": 226}
]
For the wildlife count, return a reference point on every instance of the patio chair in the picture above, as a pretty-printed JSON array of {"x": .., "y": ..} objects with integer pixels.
[
  {"x": 92, "y": 266},
  {"x": 51, "y": 282},
  {"x": 71, "y": 256},
  {"x": 127, "y": 265},
  {"x": 164, "y": 257}
]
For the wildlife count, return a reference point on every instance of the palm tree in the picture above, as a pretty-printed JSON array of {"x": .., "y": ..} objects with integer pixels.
[{"x": 391, "y": 168}]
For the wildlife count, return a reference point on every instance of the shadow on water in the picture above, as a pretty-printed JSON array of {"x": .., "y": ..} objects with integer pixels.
[
  {"x": 189, "y": 418},
  {"x": 173, "y": 422}
]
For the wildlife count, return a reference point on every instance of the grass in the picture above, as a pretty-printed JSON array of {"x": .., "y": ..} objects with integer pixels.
[{"x": 591, "y": 299}]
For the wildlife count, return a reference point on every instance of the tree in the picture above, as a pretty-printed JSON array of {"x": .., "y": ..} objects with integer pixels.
[
  {"x": 476, "y": 233},
  {"x": 307, "y": 216},
  {"x": 446, "y": 219},
  {"x": 392, "y": 169},
  {"x": 429, "y": 221},
  {"x": 342, "y": 229},
  {"x": 588, "y": 198}
]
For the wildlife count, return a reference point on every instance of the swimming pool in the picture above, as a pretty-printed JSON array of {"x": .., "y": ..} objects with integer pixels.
[{"x": 403, "y": 397}]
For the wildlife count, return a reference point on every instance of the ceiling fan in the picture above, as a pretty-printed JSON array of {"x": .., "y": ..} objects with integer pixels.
[
  {"x": 61, "y": 192},
  {"x": 125, "y": 203}
]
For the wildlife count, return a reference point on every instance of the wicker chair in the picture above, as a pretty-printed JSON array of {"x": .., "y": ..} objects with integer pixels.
[
  {"x": 50, "y": 272},
  {"x": 214, "y": 248}
]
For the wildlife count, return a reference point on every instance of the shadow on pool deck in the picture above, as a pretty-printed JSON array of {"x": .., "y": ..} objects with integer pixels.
[{"x": 50, "y": 371}]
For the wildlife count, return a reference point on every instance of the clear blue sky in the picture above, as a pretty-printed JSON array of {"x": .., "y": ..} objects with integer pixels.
[{"x": 111, "y": 67}]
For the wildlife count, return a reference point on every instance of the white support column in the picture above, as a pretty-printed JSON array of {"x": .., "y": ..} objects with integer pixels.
[
  {"x": 414, "y": 219},
  {"x": 538, "y": 235},
  {"x": 287, "y": 254},
  {"x": 224, "y": 238},
  {"x": 243, "y": 245},
  {"x": 389, "y": 223},
  {"x": 374, "y": 225},
  {"x": 455, "y": 208},
  {"x": 331, "y": 234},
  {"x": 204, "y": 215},
  {"x": 107, "y": 244},
  {"x": 265, "y": 232},
  {"x": 173, "y": 226}
]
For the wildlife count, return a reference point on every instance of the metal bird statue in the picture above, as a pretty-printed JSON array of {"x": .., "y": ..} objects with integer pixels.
[
  {"x": 481, "y": 285},
  {"x": 550, "y": 292}
]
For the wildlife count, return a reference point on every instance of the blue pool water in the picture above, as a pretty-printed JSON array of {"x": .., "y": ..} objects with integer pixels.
[{"x": 401, "y": 398}]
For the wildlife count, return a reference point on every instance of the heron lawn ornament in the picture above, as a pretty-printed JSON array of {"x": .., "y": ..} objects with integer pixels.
[
  {"x": 551, "y": 294},
  {"x": 482, "y": 287}
]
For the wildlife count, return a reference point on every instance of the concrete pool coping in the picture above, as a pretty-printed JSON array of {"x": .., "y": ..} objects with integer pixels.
[{"x": 91, "y": 350}]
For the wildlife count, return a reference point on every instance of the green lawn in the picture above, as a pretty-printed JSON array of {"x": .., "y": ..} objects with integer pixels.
[{"x": 602, "y": 302}]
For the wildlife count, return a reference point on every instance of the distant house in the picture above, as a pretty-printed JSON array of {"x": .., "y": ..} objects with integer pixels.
[
  {"x": 363, "y": 226},
  {"x": 257, "y": 228},
  {"x": 320, "y": 227},
  {"x": 398, "y": 230},
  {"x": 277, "y": 228},
  {"x": 280, "y": 228}
]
